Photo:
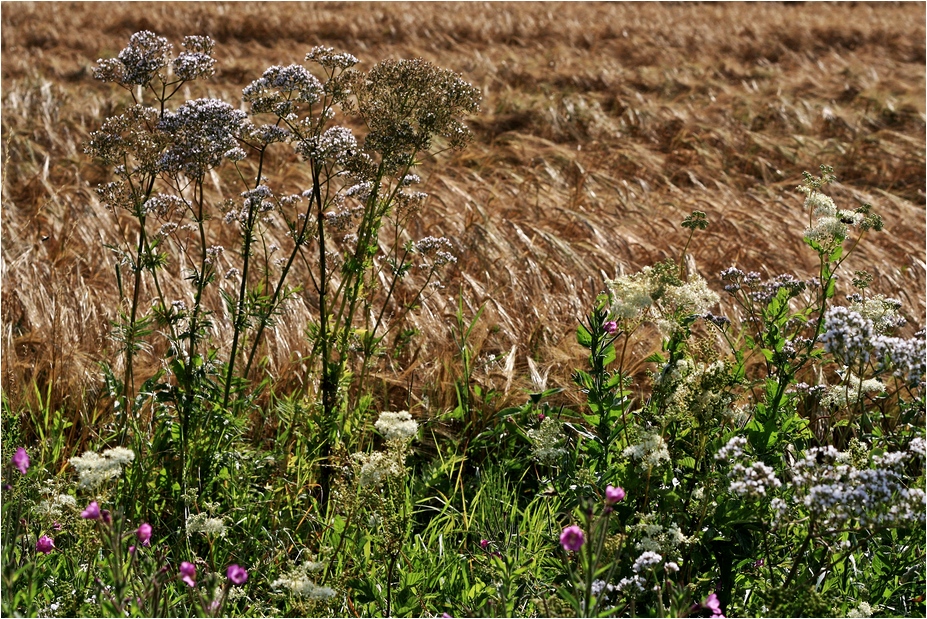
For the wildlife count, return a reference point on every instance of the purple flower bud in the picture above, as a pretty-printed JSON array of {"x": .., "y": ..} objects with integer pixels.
[
  {"x": 484, "y": 543},
  {"x": 188, "y": 573},
  {"x": 92, "y": 512},
  {"x": 613, "y": 494},
  {"x": 21, "y": 460},
  {"x": 611, "y": 327},
  {"x": 144, "y": 534}
]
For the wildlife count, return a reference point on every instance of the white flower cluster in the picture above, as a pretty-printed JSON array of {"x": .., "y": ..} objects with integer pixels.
[
  {"x": 880, "y": 310},
  {"x": 299, "y": 584},
  {"x": 648, "y": 295},
  {"x": 630, "y": 294},
  {"x": 863, "y": 610},
  {"x": 546, "y": 441},
  {"x": 697, "y": 389},
  {"x": 396, "y": 426},
  {"x": 206, "y": 524},
  {"x": 851, "y": 392},
  {"x": 655, "y": 538},
  {"x": 52, "y": 508},
  {"x": 93, "y": 469},
  {"x": 651, "y": 451},
  {"x": 832, "y": 223},
  {"x": 838, "y": 493},
  {"x": 373, "y": 468}
]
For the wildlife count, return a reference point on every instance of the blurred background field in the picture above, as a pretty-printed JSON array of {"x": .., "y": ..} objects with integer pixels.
[{"x": 602, "y": 127}]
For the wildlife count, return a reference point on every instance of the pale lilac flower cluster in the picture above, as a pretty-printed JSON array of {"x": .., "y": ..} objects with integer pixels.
[
  {"x": 279, "y": 89},
  {"x": 753, "y": 480},
  {"x": 436, "y": 248},
  {"x": 137, "y": 64},
  {"x": 202, "y": 132},
  {"x": 847, "y": 335},
  {"x": 838, "y": 493},
  {"x": 907, "y": 357},
  {"x": 196, "y": 60},
  {"x": 647, "y": 561},
  {"x": 328, "y": 58},
  {"x": 162, "y": 205},
  {"x": 335, "y": 144}
]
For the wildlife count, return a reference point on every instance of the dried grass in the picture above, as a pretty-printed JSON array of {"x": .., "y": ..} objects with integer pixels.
[{"x": 603, "y": 126}]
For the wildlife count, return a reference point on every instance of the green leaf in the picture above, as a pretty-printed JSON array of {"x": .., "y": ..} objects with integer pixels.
[{"x": 583, "y": 336}]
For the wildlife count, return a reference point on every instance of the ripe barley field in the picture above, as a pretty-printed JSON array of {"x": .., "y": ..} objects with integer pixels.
[{"x": 602, "y": 126}]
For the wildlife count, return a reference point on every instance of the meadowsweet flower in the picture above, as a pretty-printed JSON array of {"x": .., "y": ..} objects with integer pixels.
[
  {"x": 396, "y": 426},
  {"x": 144, "y": 534},
  {"x": 92, "y": 512},
  {"x": 53, "y": 507},
  {"x": 614, "y": 495},
  {"x": 205, "y": 524},
  {"x": 546, "y": 441},
  {"x": 44, "y": 544},
  {"x": 863, "y": 610},
  {"x": 21, "y": 460},
  {"x": 375, "y": 467},
  {"x": 651, "y": 451},
  {"x": 93, "y": 468},
  {"x": 237, "y": 574},
  {"x": 188, "y": 573},
  {"x": 299, "y": 584},
  {"x": 572, "y": 538}
]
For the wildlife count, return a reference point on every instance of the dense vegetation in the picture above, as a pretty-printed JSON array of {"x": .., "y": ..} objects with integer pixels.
[{"x": 299, "y": 402}]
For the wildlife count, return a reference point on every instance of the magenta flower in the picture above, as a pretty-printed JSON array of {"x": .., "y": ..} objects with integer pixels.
[
  {"x": 237, "y": 574},
  {"x": 92, "y": 512},
  {"x": 21, "y": 460},
  {"x": 44, "y": 545},
  {"x": 484, "y": 543},
  {"x": 188, "y": 573},
  {"x": 144, "y": 534},
  {"x": 713, "y": 604},
  {"x": 572, "y": 538},
  {"x": 611, "y": 327},
  {"x": 613, "y": 494}
]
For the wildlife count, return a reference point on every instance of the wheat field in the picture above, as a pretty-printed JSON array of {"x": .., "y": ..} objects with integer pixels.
[{"x": 602, "y": 126}]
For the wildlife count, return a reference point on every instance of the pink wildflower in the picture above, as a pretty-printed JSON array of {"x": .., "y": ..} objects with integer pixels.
[
  {"x": 92, "y": 512},
  {"x": 21, "y": 460},
  {"x": 572, "y": 538},
  {"x": 188, "y": 573},
  {"x": 237, "y": 574},
  {"x": 45, "y": 545},
  {"x": 144, "y": 534}
]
